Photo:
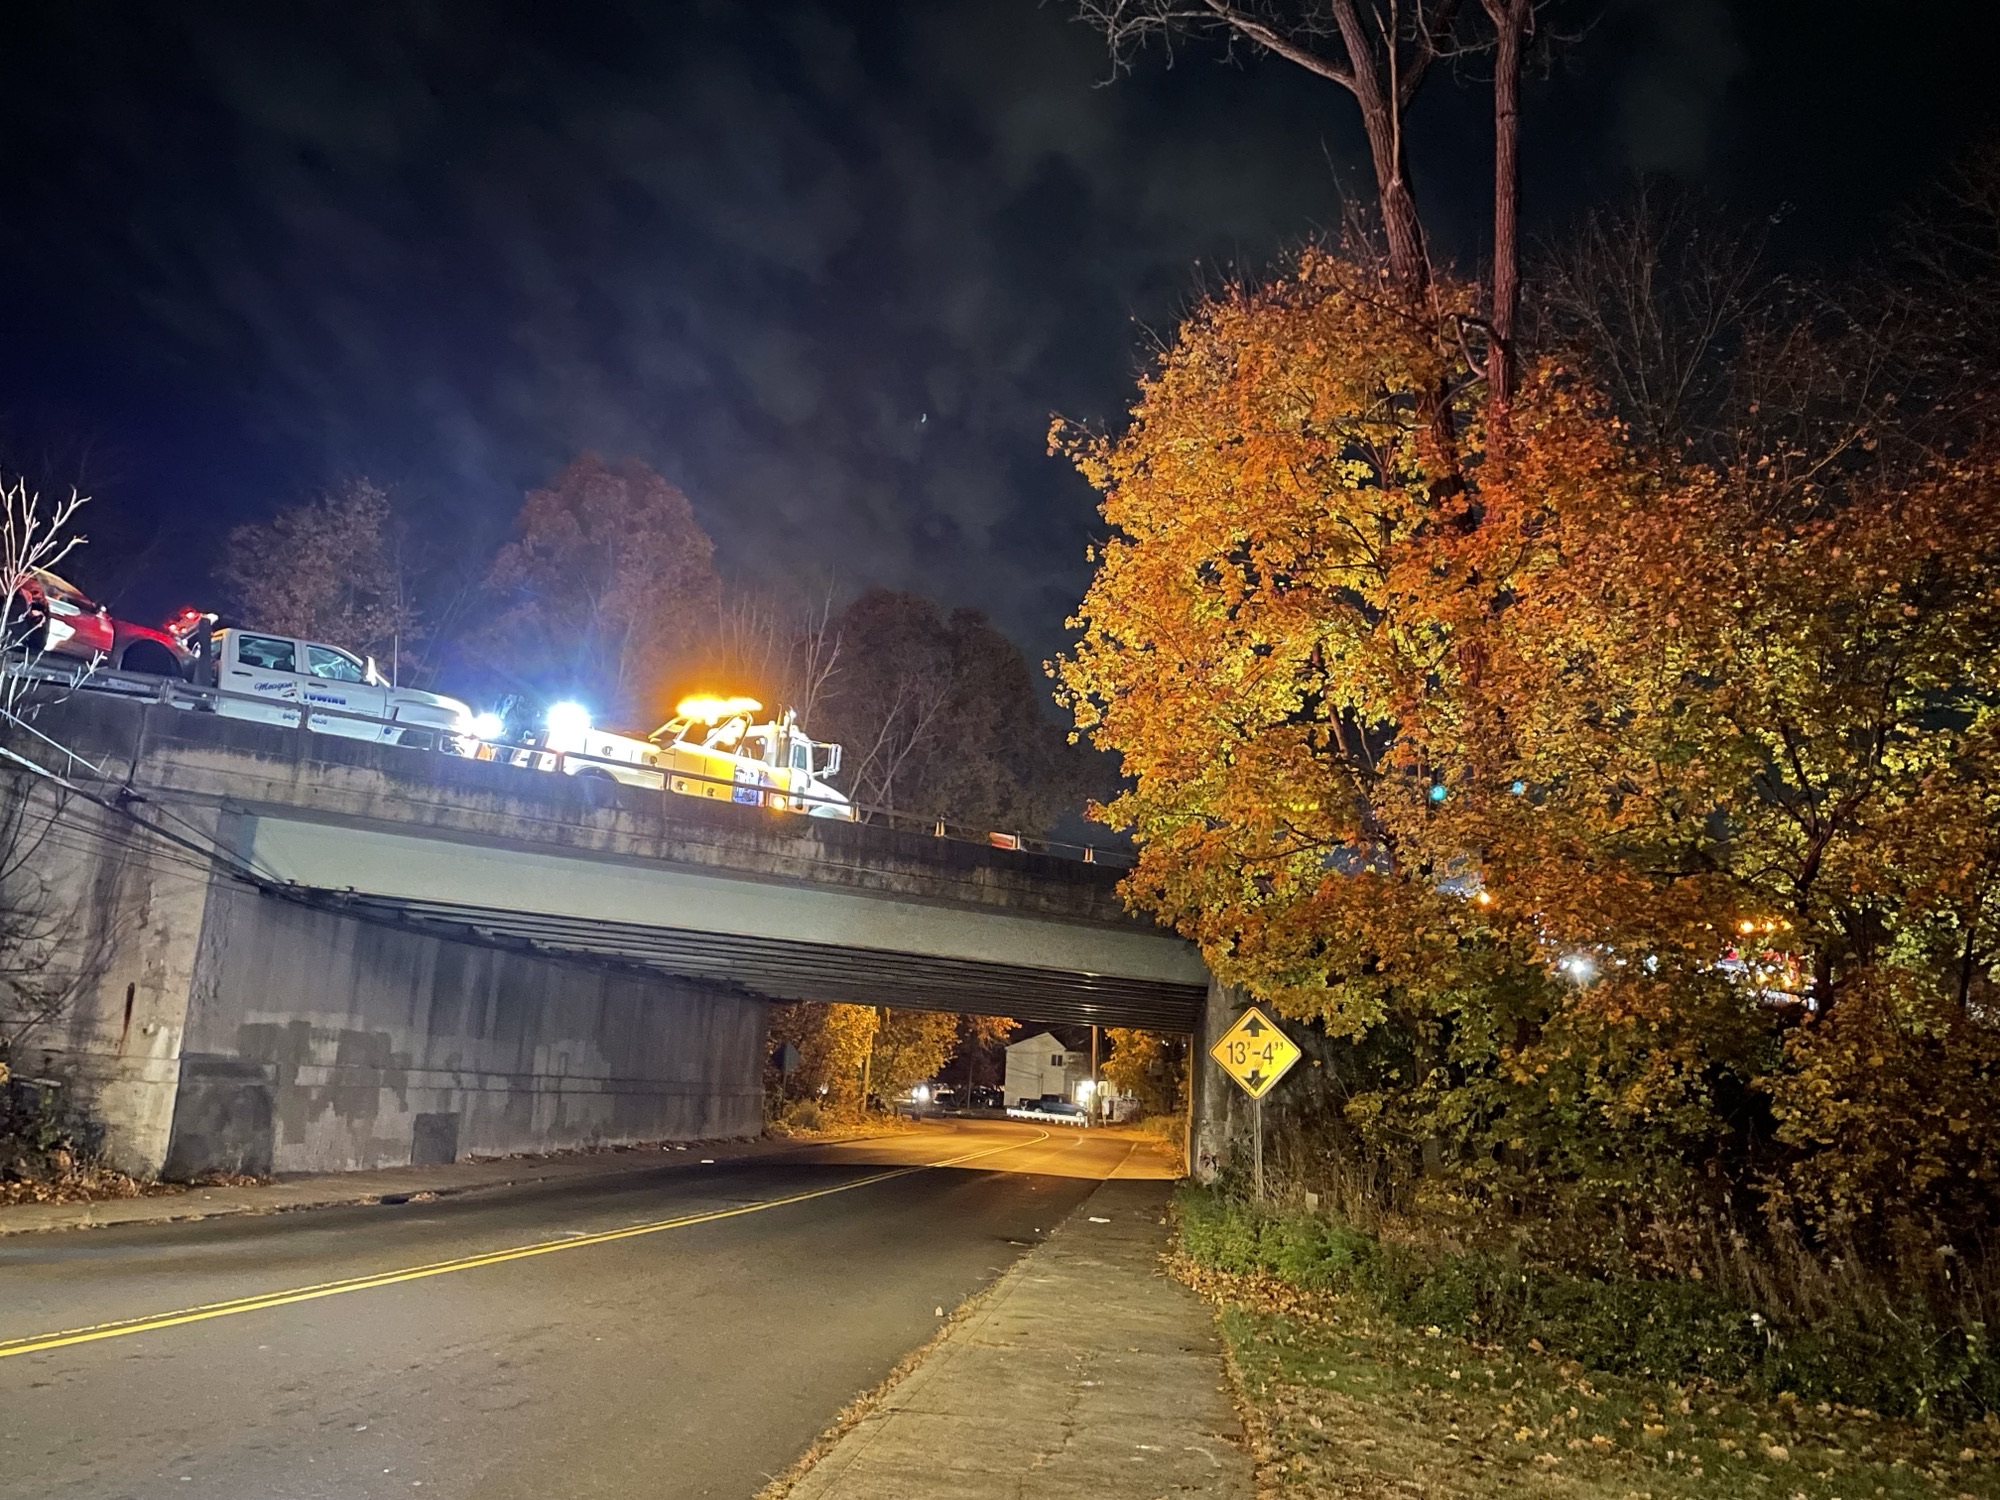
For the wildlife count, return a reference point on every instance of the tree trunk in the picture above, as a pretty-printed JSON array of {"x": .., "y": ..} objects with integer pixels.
[
  {"x": 1409, "y": 263},
  {"x": 1401, "y": 228},
  {"x": 1511, "y": 20},
  {"x": 1382, "y": 121}
]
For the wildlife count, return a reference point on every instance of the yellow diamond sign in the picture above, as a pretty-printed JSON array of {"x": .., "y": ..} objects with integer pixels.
[{"x": 1255, "y": 1053}]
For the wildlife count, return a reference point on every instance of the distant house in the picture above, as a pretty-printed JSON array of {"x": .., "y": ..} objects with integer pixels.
[{"x": 1040, "y": 1064}]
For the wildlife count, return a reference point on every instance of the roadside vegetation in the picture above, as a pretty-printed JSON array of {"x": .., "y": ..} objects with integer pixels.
[
  {"x": 1570, "y": 694},
  {"x": 1368, "y": 1368},
  {"x": 48, "y": 1152}
]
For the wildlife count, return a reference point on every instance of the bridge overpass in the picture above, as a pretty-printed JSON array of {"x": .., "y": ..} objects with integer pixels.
[{"x": 300, "y": 952}]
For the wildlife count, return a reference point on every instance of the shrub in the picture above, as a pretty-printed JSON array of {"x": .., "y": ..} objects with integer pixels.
[
  {"x": 1664, "y": 1328},
  {"x": 805, "y": 1115}
]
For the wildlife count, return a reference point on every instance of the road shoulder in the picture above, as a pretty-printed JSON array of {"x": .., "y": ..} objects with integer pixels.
[
  {"x": 386, "y": 1185},
  {"x": 1085, "y": 1370}
]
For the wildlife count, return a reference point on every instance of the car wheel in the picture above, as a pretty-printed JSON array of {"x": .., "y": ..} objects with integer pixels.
[{"x": 149, "y": 657}]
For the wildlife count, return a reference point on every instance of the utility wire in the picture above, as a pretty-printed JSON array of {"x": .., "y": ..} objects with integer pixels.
[{"x": 213, "y": 850}]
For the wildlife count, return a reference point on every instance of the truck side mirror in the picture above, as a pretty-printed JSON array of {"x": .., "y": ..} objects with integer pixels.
[{"x": 832, "y": 766}]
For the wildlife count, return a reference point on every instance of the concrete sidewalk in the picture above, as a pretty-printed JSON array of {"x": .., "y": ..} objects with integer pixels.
[
  {"x": 1087, "y": 1371},
  {"x": 390, "y": 1184}
]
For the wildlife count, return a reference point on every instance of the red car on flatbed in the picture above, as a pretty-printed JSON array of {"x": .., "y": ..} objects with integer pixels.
[{"x": 48, "y": 614}]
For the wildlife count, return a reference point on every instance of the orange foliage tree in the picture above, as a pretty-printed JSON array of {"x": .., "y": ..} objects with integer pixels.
[{"x": 1636, "y": 815}]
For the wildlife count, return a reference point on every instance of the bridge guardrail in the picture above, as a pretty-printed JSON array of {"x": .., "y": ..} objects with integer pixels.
[{"x": 433, "y": 739}]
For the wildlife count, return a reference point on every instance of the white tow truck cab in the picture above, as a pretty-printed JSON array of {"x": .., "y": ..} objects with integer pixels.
[
  {"x": 285, "y": 674},
  {"x": 712, "y": 748}
]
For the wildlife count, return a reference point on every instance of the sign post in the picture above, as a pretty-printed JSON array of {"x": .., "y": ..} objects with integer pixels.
[
  {"x": 1255, "y": 1054},
  {"x": 1257, "y": 1143}
]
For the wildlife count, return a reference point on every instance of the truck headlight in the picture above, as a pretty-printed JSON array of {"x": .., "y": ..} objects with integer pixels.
[{"x": 568, "y": 719}]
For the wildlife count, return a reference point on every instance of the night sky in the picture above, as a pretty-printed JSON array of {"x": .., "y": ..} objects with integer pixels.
[{"x": 829, "y": 267}]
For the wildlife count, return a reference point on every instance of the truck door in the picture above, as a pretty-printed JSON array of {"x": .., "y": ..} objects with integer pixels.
[
  {"x": 749, "y": 773},
  {"x": 339, "y": 679},
  {"x": 800, "y": 781},
  {"x": 263, "y": 667}
]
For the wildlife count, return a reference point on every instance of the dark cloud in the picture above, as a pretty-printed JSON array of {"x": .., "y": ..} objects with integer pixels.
[
  {"x": 831, "y": 267},
  {"x": 1686, "y": 55}
]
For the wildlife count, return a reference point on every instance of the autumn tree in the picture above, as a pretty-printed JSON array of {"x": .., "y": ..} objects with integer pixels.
[
  {"x": 834, "y": 1042},
  {"x": 910, "y": 1047},
  {"x": 608, "y": 593},
  {"x": 332, "y": 569},
  {"x": 941, "y": 716},
  {"x": 1268, "y": 630},
  {"x": 848, "y": 1053},
  {"x": 1648, "y": 809},
  {"x": 1148, "y": 1066}
]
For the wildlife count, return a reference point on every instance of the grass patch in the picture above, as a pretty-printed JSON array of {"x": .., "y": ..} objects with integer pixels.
[
  {"x": 1346, "y": 1401},
  {"x": 1661, "y": 1328},
  {"x": 1371, "y": 1369}
]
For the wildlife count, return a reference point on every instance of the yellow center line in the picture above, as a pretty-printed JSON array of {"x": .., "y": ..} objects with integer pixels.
[{"x": 153, "y": 1322}]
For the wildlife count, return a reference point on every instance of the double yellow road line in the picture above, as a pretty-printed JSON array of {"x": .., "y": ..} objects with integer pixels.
[{"x": 40, "y": 1343}]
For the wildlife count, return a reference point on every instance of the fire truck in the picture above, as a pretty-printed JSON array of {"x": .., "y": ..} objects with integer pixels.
[{"x": 712, "y": 747}]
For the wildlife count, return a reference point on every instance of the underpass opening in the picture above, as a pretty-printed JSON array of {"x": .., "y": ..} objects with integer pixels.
[{"x": 791, "y": 969}]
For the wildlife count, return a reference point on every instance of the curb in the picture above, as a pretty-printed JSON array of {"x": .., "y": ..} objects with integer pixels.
[{"x": 174, "y": 1208}]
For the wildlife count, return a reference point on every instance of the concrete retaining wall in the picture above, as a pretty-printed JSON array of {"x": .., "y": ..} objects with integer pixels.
[
  {"x": 317, "y": 1043},
  {"x": 105, "y": 924}
]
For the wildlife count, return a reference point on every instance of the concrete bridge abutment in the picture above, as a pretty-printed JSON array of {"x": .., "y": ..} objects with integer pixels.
[
  {"x": 1219, "y": 1113},
  {"x": 210, "y": 1026}
]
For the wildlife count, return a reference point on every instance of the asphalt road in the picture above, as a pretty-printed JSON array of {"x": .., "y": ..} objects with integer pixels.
[{"x": 599, "y": 1347}]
